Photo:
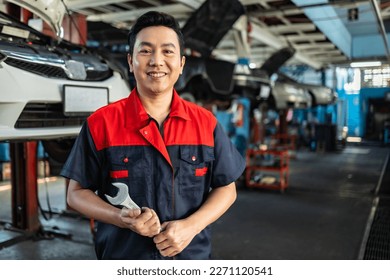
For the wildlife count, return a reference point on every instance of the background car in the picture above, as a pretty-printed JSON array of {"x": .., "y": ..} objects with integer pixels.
[
  {"x": 320, "y": 95},
  {"x": 207, "y": 79},
  {"x": 289, "y": 95}
]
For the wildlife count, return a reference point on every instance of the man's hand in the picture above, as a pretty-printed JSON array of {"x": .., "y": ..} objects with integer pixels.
[
  {"x": 145, "y": 222},
  {"x": 174, "y": 238}
]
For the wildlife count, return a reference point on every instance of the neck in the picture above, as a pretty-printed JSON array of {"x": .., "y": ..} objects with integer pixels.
[{"x": 158, "y": 107}]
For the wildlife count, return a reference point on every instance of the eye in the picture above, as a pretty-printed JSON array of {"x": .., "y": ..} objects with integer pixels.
[
  {"x": 169, "y": 52},
  {"x": 145, "y": 51}
]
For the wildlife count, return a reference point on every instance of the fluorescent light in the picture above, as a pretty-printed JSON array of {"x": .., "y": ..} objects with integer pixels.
[
  {"x": 366, "y": 64},
  {"x": 354, "y": 139}
]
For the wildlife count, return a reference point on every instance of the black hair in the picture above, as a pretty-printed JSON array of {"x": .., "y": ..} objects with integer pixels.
[{"x": 154, "y": 18}]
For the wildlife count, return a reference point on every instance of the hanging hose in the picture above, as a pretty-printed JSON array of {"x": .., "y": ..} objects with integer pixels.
[{"x": 45, "y": 175}]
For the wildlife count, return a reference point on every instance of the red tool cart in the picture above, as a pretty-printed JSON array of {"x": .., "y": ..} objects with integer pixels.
[
  {"x": 284, "y": 142},
  {"x": 267, "y": 169}
]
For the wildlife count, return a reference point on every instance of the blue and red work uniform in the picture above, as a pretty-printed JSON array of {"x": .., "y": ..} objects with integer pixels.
[{"x": 170, "y": 169}]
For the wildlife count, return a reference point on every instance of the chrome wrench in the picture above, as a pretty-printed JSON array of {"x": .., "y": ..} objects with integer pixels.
[{"x": 122, "y": 197}]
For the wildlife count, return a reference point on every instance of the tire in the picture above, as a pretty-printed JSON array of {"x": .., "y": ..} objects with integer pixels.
[{"x": 58, "y": 150}]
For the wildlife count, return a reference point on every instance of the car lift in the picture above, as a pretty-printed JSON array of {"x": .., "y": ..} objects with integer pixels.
[
  {"x": 25, "y": 221},
  {"x": 24, "y": 199},
  {"x": 24, "y": 186}
]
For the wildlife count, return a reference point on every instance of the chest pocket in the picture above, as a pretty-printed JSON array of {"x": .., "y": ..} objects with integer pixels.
[
  {"x": 129, "y": 168},
  {"x": 195, "y": 168}
]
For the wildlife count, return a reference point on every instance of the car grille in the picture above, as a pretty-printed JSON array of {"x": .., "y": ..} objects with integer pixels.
[
  {"x": 46, "y": 115},
  {"x": 98, "y": 76},
  {"x": 53, "y": 71},
  {"x": 41, "y": 69}
]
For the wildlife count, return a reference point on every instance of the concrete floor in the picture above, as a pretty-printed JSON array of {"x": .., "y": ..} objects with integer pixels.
[{"x": 322, "y": 215}]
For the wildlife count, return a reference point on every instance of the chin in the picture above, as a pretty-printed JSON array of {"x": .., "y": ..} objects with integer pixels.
[{"x": 158, "y": 91}]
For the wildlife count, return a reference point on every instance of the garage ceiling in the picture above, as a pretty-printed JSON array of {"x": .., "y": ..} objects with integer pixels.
[{"x": 323, "y": 32}]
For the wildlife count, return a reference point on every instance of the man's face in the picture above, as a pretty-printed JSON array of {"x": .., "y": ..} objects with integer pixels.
[{"x": 156, "y": 60}]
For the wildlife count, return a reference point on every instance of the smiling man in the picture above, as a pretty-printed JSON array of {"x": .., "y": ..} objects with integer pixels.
[{"x": 178, "y": 164}]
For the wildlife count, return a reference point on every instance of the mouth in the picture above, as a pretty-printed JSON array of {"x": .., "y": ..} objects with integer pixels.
[{"x": 156, "y": 74}]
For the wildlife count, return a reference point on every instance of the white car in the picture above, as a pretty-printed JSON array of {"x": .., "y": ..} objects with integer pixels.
[
  {"x": 289, "y": 95},
  {"x": 319, "y": 95},
  {"x": 49, "y": 87}
]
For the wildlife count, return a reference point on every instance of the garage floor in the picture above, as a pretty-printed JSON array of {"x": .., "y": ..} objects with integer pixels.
[{"x": 325, "y": 213}]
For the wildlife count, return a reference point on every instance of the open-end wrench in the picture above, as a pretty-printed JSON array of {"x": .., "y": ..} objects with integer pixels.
[{"x": 122, "y": 197}]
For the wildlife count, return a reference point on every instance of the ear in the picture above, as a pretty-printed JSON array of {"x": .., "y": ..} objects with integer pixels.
[
  {"x": 130, "y": 62},
  {"x": 182, "y": 63}
]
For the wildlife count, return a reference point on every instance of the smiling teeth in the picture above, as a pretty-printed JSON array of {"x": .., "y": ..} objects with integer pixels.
[{"x": 157, "y": 75}]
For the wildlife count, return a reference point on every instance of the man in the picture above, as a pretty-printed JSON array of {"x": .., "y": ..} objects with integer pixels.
[{"x": 175, "y": 158}]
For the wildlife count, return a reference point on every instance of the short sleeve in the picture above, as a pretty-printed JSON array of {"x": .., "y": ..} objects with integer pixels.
[
  {"x": 229, "y": 163},
  {"x": 84, "y": 162}
]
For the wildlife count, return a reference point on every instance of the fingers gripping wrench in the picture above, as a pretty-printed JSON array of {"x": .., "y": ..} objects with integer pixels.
[{"x": 122, "y": 197}]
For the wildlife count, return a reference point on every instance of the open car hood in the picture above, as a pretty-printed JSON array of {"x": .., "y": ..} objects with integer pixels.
[
  {"x": 25, "y": 34},
  {"x": 51, "y": 11},
  {"x": 277, "y": 59},
  {"x": 220, "y": 81},
  {"x": 19, "y": 31},
  {"x": 209, "y": 24}
]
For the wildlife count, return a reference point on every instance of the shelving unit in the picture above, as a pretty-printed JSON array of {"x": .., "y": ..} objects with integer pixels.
[
  {"x": 267, "y": 169},
  {"x": 284, "y": 142}
]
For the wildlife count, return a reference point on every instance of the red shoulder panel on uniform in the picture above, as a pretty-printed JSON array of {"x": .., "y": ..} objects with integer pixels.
[{"x": 197, "y": 130}]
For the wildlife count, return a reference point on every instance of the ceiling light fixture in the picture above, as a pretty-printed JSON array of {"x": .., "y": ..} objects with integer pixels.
[
  {"x": 354, "y": 139},
  {"x": 366, "y": 64}
]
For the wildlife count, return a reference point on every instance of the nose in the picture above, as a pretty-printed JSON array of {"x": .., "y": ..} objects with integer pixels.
[{"x": 156, "y": 59}]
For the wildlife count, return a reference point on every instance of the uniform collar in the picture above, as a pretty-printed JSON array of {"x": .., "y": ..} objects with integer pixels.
[{"x": 136, "y": 114}]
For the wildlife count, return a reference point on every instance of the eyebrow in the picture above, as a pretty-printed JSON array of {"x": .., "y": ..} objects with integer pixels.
[{"x": 148, "y": 44}]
